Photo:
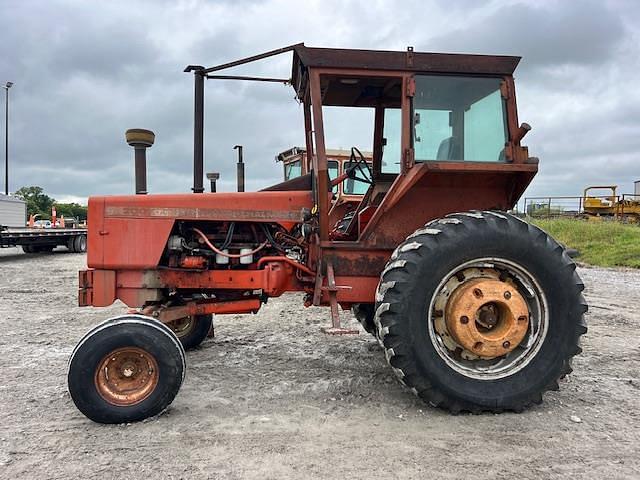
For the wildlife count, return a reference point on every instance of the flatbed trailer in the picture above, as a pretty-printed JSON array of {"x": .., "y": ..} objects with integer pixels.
[{"x": 38, "y": 240}]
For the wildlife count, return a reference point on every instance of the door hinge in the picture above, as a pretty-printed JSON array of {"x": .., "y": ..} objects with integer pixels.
[
  {"x": 408, "y": 159},
  {"x": 505, "y": 91},
  {"x": 411, "y": 87}
]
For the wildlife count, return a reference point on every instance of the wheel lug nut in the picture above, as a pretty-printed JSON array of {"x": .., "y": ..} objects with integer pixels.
[
  {"x": 464, "y": 319},
  {"x": 477, "y": 346},
  {"x": 477, "y": 292},
  {"x": 506, "y": 344},
  {"x": 507, "y": 294}
]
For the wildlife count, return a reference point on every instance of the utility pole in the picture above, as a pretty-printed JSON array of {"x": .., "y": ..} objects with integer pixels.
[{"x": 6, "y": 86}]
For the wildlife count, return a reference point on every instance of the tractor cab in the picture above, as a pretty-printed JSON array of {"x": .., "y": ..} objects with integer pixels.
[
  {"x": 347, "y": 188},
  {"x": 437, "y": 119},
  {"x": 295, "y": 164}
]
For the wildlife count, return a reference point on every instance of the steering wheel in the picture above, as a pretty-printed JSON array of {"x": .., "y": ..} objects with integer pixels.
[{"x": 361, "y": 165}]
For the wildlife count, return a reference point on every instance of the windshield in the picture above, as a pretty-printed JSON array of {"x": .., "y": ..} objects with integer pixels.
[
  {"x": 332, "y": 167},
  {"x": 391, "y": 145},
  {"x": 356, "y": 187},
  {"x": 292, "y": 170},
  {"x": 459, "y": 118}
]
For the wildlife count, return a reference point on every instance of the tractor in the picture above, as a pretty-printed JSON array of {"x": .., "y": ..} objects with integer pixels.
[
  {"x": 475, "y": 309},
  {"x": 348, "y": 193}
]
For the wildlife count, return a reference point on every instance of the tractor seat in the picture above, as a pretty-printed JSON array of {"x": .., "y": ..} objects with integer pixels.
[
  {"x": 449, "y": 149},
  {"x": 348, "y": 227}
]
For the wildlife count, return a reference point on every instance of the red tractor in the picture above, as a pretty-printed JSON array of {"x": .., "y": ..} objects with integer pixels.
[{"x": 476, "y": 309}]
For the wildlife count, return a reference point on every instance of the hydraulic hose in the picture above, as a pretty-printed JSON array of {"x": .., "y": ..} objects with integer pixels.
[{"x": 228, "y": 255}]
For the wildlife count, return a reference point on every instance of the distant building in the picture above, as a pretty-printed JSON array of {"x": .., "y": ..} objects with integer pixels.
[
  {"x": 636, "y": 185},
  {"x": 13, "y": 211}
]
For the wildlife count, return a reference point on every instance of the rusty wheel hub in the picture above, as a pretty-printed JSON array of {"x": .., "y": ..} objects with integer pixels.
[
  {"x": 126, "y": 376},
  {"x": 487, "y": 317},
  {"x": 182, "y": 326}
]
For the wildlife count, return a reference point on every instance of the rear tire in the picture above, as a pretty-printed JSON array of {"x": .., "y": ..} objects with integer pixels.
[
  {"x": 428, "y": 268},
  {"x": 127, "y": 369},
  {"x": 192, "y": 331},
  {"x": 71, "y": 244}
]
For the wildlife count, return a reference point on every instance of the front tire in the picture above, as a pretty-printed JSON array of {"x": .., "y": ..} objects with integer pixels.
[
  {"x": 192, "y": 330},
  {"x": 364, "y": 313},
  {"x": 127, "y": 369},
  {"x": 506, "y": 349}
]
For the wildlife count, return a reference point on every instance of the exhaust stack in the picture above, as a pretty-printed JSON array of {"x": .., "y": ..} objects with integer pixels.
[
  {"x": 240, "y": 168},
  {"x": 140, "y": 140},
  {"x": 198, "y": 127}
]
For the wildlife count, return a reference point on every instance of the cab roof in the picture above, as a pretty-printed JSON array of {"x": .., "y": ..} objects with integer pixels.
[
  {"x": 357, "y": 62},
  {"x": 409, "y": 60}
]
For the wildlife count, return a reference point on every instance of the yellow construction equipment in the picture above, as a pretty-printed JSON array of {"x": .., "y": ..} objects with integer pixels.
[{"x": 626, "y": 207}]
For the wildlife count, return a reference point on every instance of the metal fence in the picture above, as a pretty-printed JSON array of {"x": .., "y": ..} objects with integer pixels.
[{"x": 629, "y": 198}]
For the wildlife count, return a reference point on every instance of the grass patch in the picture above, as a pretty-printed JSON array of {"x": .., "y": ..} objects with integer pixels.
[{"x": 605, "y": 244}]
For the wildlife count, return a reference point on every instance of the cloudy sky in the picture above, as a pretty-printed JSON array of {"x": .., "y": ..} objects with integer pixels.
[{"x": 85, "y": 71}]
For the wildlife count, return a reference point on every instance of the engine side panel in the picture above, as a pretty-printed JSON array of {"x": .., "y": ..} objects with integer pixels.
[{"x": 130, "y": 232}]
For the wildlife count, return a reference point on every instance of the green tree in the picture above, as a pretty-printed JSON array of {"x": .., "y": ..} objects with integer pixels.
[
  {"x": 37, "y": 200},
  {"x": 69, "y": 210}
]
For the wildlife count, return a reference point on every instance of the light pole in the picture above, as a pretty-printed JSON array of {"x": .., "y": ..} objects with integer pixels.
[{"x": 6, "y": 86}]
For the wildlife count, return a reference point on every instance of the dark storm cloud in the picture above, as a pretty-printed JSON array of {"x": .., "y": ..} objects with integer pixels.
[
  {"x": 86, "y": 71},
  {"x": 545, "y": 34}
]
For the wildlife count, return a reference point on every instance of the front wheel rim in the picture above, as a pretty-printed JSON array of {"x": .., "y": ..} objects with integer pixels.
[
  {"x": 127, "y": 376},
  {"x": 521, "y": 343}
]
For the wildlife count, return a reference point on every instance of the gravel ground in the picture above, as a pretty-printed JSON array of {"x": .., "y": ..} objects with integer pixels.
[{"x": 272, "y": 397}]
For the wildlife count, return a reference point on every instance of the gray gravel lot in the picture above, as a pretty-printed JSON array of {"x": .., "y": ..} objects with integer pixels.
[{"x": 272, "y": 397}]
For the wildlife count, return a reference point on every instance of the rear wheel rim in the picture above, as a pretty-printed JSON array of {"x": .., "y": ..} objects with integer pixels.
[
  {"x": 527, "y": 335},
  {"x": 127, "y": 376}
]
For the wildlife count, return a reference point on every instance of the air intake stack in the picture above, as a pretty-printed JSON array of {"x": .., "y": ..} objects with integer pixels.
[
  {"x": 213, "y": 178},
  {"x": 140, "y": 140}
]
